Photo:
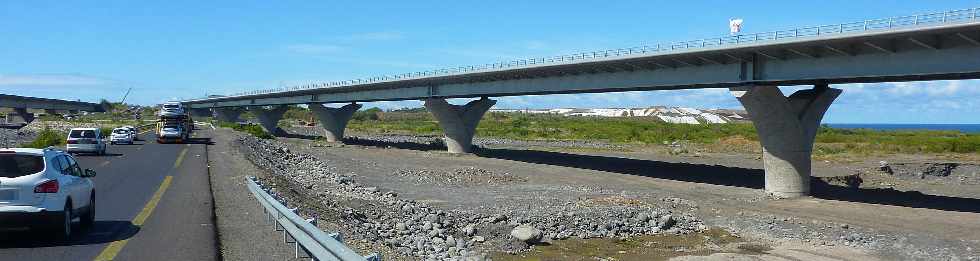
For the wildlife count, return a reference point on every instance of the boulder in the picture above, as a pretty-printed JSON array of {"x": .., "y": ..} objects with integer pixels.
[{"x": 526, "y": 234}]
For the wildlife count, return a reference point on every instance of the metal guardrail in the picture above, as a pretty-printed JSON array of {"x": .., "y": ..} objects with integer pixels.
[
  {"x": 885, "y": 24},
  {"x": 317, "y": 244}
]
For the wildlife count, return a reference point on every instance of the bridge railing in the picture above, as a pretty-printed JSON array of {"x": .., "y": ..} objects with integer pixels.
[
  {"x": 893, "y": 23},
  {"x": 306, "y": 236}
]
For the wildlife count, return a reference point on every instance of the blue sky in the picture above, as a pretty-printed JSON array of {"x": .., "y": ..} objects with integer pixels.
[{"x": 183, "y": 49}]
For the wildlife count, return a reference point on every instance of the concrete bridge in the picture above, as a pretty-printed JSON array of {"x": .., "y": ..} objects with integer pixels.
[
  {"x": 935, "y": 46},
  {"x": 20, "y": 105}
]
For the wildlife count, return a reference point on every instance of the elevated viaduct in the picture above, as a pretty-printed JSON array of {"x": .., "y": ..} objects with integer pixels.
[
  {"x": 934, "y": 46},
  {"x": 20, "y": 105}
]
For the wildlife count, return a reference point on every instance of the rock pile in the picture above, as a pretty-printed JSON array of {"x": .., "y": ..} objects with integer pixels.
[
  {"x": 60, "y": 126},
  {"x": 417, "y": 230}
]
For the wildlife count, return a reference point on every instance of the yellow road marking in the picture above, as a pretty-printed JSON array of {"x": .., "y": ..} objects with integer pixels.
[
  {"x": 180, "y": 158},
  {"x": 110, "y": 252}
]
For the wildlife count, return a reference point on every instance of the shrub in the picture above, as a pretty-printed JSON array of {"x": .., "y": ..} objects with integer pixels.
[
  {"x": 47, "y": 138},
  {"x": 254, "y": 130}
]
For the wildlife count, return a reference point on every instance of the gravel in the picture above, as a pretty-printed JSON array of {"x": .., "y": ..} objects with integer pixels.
[
  {"x": 418, "y": 230},
  {"x": 467, "y": 176},
  {"x": 435, "y": 142}
]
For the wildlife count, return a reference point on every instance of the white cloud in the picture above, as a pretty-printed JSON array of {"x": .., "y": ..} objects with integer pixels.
[{"x": 55, "y": 80}]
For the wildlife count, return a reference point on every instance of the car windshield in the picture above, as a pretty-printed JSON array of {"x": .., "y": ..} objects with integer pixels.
[
  {"x": 120, "y": 131},
  {"x": 17, "y": 165},
  {"x": 82, "y": 134},
  {"x": 170, "y": 106}
]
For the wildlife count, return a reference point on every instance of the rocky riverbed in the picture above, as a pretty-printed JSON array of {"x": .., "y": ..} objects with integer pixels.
[
  {"x": 418, "y": 230},
  {"x": 565, "y": 204}
]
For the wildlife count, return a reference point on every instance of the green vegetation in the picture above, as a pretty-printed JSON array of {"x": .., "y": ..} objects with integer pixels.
[
  {"x": 642, "y": 131},
  {"x": 831, "y": 141},
  {"x": 47, "y": 138},
  {"x": 254, "y": 130},
  {"x": 554, "y": 127}
]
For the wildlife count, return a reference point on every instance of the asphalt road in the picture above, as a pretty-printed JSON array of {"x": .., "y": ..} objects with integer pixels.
[{"x": 153, "y": 202}]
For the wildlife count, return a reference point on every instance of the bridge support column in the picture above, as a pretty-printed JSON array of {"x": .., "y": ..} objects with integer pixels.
[
  {"x": 20, "y": 115},
  {"x": 228, "y": 114},
  {"x": 269, "y": 118},
  {"x": 334, "y": 120},
  {"x": 786, "y": 128},
  {"x": 459, "y": 122}
]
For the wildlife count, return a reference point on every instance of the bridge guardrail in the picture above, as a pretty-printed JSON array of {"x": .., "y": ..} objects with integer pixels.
[
  {"x": 892, "y": 23},
  {"x": 317, "y": 244}
]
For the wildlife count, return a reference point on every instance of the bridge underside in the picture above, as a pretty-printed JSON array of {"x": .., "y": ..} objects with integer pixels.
[
  {"x": 938, "y": 54},
  {"x": 786, "y": 125}
]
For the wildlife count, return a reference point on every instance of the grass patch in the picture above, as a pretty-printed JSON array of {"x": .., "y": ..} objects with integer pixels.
[
  {"x": 47, "y": 138},
  {"x": 254, "y": 130}
]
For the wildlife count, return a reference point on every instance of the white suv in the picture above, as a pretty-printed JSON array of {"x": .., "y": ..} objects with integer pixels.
[{"x": 45, "y": 189}]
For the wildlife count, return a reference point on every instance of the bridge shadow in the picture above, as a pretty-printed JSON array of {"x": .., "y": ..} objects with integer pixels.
[
  {"x": 101, "y": 232},
  {"x": 205, "y": 141},
  {"x": 731, "y": 176}
]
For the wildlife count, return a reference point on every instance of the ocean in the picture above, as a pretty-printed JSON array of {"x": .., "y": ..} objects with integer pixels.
[{"x": 966, "y": 128}]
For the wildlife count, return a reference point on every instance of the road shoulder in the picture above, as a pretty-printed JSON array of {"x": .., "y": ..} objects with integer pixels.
[{"x": 243, "y": 230}]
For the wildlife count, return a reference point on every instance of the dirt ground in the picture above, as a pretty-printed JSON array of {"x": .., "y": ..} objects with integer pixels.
[{"x": 917, "y": 210}]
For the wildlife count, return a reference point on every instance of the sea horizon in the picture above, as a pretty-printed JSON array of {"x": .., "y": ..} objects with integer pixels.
[{"x": 962, "y": 127}]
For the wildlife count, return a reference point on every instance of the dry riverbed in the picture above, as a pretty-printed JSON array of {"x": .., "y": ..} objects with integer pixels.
[{"x": 545, "y": 200}]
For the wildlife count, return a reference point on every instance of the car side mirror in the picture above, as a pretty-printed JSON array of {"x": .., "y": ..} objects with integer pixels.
[{"x": 89, "y": 173}]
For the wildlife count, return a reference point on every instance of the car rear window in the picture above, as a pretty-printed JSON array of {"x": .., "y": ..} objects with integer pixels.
[
  {"x": 120, "y": 131},
  {"x": 15, "y": 165},
  {"x": 82, "y": 134},
  {"x": 170, "y": 106}
]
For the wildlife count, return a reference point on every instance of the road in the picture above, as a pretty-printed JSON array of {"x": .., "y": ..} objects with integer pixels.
[{"x": 153, "y": 202}]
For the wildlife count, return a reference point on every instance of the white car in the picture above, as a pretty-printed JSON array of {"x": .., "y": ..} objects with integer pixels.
[
  {"x": 134, "y": 131},
  {"x": 45, "y": 189},
  {"x": 121, "y": 135},
  {"x": 85, "y": 140}
]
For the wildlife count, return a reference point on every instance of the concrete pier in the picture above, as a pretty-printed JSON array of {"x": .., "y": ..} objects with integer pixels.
[
  {"x": 269, "y": 117},
  {"x": 334, "y": 120},
  {"x": 229, "y": 114},
  {"x": 20, "y": 115},
  {"x": 459, "y": 122},
  {"x": 786, "y": 128}
]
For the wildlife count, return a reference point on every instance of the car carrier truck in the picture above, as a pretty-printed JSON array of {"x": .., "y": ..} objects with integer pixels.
[{"x": 174, "y": 127}]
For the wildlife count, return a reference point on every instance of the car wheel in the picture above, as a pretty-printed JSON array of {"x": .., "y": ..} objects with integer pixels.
[
  {"x": 89, "y": 218},
  {"x": 62, "y": 230}
]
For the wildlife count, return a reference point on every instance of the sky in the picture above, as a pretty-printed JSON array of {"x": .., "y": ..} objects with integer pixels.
[{"x": 171, "y": 50}]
